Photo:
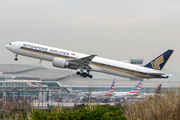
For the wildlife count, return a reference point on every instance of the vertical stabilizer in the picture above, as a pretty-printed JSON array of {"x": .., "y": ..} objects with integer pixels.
[
  {"x": 158, "y": 90},
  {"x": 111, "y": 90},
  {"x": 159, "y": 62},
  {"x": 135, "y": 91}
]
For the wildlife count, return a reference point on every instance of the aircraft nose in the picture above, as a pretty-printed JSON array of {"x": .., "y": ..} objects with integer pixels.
[{"x": 8, "y": 46}]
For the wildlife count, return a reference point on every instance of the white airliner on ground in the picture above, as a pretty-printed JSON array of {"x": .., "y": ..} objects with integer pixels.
[
  {"x": 157, "y": 92},
  {"x": 132, "y": 94},
  {"x": 99, "y": 95},
  {"x": 86, "y": 63}
]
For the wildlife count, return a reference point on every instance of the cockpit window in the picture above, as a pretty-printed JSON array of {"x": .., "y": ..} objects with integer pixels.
[{"x": 10, "y": 43}]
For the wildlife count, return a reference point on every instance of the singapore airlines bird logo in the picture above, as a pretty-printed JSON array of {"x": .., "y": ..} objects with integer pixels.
[{"x": 157, "y": 62}]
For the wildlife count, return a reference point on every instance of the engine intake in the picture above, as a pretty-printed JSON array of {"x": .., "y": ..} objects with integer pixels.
[{"x": 60, "y": 63}]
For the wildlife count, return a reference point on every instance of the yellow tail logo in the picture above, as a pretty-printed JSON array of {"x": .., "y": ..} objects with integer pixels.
[{"x": 157, "y": 62}]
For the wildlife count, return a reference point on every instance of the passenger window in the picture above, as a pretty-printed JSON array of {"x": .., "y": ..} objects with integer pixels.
[{"x": 10, "y": 43}]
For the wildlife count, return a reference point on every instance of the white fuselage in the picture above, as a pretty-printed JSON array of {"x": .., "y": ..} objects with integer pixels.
[
  {"x": 98, "y": 64},
  {"x": 97, "y": 95},
  {"x": 119, "y": 95},
  {"x": 123, "y": 95}
]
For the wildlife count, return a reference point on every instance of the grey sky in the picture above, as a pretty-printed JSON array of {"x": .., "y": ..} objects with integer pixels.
[{"x": 114, "y": 29}]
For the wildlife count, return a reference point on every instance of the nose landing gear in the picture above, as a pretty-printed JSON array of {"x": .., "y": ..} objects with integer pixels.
[{"x": 16, "y": 59}]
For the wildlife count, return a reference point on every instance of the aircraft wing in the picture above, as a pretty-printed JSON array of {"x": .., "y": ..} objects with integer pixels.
[
  {"x": 89, "y": 95},
  {"x": 82, "y": 63}
]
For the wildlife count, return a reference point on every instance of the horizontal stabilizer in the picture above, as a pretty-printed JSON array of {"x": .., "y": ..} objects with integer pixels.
[
  {"x": 170, "y": 75},
  {"x": 156, "y": 74}
]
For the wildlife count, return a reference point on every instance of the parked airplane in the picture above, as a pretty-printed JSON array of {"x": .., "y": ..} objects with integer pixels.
[
  {"x": 157, "y": 92},
  {"x": 99, "y": 95},
  {"x": 132, "y": 94},
  {"x": 85, "y": 63}
]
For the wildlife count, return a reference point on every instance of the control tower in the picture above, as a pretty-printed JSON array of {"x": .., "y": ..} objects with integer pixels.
[{"x": 137, "y": 61}]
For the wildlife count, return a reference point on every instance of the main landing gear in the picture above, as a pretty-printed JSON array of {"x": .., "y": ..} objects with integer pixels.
[
  {"x": 83, "y": 74},
  {"x": 16, "y": 59}
]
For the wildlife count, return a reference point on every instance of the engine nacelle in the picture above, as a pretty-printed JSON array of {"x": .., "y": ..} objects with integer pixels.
[{"x": 60, "y": 63}]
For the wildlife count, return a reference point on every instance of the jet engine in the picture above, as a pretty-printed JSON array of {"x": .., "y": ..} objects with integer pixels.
[{"x": 60, "y": 63}]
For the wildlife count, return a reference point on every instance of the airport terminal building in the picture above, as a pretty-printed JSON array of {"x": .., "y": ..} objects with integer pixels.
[{"x": 25, "y": 76}]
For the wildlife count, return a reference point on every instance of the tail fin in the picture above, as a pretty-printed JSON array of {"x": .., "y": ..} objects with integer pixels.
[
  {"x": 111, "y": 90},
  {"x": 135, "y": 91},
  {"x": 159, "y": 62},
  {"x": 158, "y": 90}
]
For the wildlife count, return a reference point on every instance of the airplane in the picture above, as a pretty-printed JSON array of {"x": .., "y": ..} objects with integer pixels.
[
  {"x": 157, "y": 92},
  {"x": 86, "y": 63},
  {"x": 131, "y": 94},
  {"x": 99, "y": 95}
]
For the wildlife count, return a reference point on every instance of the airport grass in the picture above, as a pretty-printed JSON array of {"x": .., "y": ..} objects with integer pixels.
[{"x": 165, "y": 106}]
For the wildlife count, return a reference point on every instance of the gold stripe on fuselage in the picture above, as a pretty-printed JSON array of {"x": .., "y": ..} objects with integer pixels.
[{"x": 134, "y": 73}]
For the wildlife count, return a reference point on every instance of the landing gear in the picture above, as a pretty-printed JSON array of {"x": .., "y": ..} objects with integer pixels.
[
  {"x": 78, "y": 73},
  {"x": 84, "y": 74},
  {"x": 16, "y": 59},
  {"x": 90, "y": 76}
]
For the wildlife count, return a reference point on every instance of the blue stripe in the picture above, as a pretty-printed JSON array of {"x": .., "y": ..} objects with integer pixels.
[{"x": 134, "y": 89}]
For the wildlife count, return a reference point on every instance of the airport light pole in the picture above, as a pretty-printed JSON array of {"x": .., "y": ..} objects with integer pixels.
[
  {"x": 40, "y": 68},
  {"x": 40, "y": 80}
]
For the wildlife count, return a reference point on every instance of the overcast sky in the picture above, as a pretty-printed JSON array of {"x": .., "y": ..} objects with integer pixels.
[{"x": 113, "y": 29}]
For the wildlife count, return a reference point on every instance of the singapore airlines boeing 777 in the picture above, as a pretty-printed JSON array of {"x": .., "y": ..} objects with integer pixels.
[{"x": 86, "y": 63}]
